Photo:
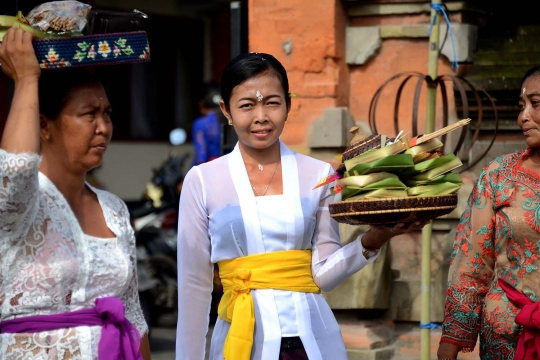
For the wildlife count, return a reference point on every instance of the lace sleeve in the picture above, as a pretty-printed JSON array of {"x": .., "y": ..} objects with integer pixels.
[
  {"x": 19, "y": 185},
  {"x": 472, "y": 265},
  {"x": 131, "y": 295}
]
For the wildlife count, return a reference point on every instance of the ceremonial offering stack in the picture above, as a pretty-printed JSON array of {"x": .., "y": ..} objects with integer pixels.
[{"x": 391, "y": 180}]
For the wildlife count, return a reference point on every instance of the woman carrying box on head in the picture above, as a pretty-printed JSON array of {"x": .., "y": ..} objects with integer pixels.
[{"x": 68, "y": 283}]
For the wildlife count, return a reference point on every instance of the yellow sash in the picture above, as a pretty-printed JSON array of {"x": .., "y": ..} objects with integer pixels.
[{"x": 281, "y": 270}]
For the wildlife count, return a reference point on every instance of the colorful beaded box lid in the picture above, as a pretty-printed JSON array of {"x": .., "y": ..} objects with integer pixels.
[{"x": 91, "y": 50}]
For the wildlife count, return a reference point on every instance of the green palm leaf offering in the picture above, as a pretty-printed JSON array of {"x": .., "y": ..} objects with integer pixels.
[
  {"x": 399, "y": 170},
  {"x": 433, "y": 167},
  {"x": 391, "y": 163},
  {"x": 425, "y": 150},
  {"x": 379, "y": 194},
  {"x": 396, "y": 180},
  {"x": 366, "y": 180},
  {"x": 372, "y": 156},
  {"x": 449, "y": 177},
  {"x": 376, "y": 183},
  {"x": 430, "y": 190}
]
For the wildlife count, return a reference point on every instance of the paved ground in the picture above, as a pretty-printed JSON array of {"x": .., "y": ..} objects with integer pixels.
[
  {"x": 406, "y": 345},
  {"x": 162, "y": 342}
]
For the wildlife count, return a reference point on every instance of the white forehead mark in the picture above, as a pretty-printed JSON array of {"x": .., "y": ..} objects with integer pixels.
[
  {"x": 259, "y": 96},
  {"x": 523, "y": 90}
]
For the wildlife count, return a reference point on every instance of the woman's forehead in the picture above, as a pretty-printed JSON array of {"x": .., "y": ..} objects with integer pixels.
[
  {"x": 267, "y": 80},
  {"x": 87, "y": 94},
  {"x": 88, "y": 89},
  {"x": 530, "y": 82}
]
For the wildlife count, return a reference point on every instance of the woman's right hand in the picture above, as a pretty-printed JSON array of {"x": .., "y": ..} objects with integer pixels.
[
  {"x": 447, "y": 351},
  {"x": 378, "y": 235},
  {"x": 17, "y": 55}
]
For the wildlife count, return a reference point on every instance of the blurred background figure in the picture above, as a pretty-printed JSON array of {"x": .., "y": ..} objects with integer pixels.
[
  {"x": 206, "y": 130},
  {"x": 207, "y": 135}
]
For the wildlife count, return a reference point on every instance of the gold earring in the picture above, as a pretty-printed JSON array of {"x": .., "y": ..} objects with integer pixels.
[
  {"x": 47, "y": 137},
  {"x": 230, "y": 121}
]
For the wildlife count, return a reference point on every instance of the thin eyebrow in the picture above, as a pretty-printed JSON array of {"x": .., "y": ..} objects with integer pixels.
[
  {"x": 264, "y": 98},
  {"x": 84, "y": 107},
  {"x": 246, "y": 98},
  {"x": 94, "y": 107},
  {"x": 529, "y": 95}
]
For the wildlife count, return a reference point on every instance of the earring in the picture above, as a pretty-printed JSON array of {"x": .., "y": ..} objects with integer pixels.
[
  {"x": 230, "y": 121},
  {"x": 47, "y": 137}
]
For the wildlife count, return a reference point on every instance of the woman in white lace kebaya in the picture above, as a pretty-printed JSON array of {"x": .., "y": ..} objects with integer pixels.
[
  {"x": 67, "y": 252},
  {"x": 254, "y": 212}
]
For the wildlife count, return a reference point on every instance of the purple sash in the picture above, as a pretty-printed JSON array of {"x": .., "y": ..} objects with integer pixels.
[{"x": 119, "y": 338}]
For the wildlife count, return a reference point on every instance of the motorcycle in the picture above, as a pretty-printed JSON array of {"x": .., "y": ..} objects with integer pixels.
[{"x": 155, "y": 222}]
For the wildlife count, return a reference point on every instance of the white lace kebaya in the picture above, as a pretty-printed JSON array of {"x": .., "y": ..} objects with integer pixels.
[{"x": 49, "y": 266}]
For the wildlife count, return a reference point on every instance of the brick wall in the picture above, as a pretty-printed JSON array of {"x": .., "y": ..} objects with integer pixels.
[
  {"x": 395, "y": 56},
  {"x": 316, "y": 67}
]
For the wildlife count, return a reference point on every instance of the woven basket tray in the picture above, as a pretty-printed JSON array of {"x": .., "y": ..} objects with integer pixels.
[
  {"x": 392, "y": 210},
  {"x": 371, "y": 142},
  {"x": 90, "y": 50}
]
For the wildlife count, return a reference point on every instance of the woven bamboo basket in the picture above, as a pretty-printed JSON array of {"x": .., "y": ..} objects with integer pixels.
[
  {"x": 392, "y": 210},
  {"x": 371, "y": 142}
]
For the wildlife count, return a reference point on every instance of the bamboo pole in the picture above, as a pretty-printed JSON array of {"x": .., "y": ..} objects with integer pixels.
[{"x": 425, "y": 316}]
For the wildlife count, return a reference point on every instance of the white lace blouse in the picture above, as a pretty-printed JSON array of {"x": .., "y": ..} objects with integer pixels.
[
  {"x": 48, "y": 266},
  {"x": 221, "y": 219}
]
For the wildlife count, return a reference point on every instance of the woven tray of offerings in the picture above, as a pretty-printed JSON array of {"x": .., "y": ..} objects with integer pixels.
[{"x": 391, "y": 180}]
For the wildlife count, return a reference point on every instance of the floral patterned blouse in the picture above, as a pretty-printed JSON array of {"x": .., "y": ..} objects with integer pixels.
[
  {"x": 49, "y": 266},
  {"x": 497, "y": 238}
]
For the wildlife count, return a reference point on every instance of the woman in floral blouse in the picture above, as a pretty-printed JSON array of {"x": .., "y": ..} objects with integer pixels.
[{"x": 495, "y": 281}]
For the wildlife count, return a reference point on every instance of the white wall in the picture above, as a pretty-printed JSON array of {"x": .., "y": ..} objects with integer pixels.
[{"x": 127, "y": 166}]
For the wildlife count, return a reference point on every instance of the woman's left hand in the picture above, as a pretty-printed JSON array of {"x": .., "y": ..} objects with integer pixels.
[
  {"x": 378, "y": 235},
  {"x": 18, "y": 57}
]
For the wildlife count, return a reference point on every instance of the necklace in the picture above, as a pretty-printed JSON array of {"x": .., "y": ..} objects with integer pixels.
[{"x": 272, "y": 178}]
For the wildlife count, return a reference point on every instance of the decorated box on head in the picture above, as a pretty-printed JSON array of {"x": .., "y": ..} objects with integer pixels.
[
  {"x": 91, "y": 50},
  {"x": 65, "y": 37}
]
